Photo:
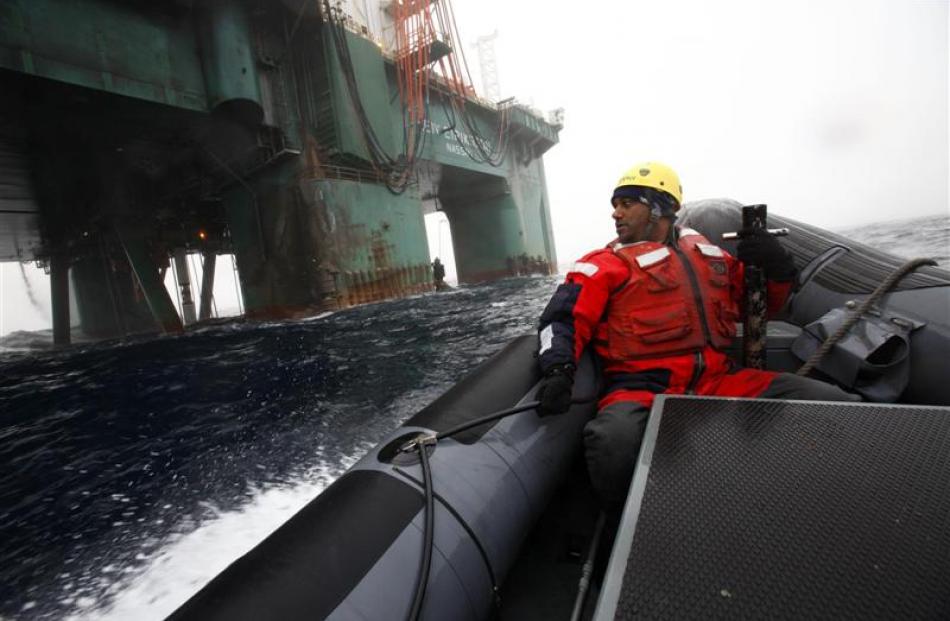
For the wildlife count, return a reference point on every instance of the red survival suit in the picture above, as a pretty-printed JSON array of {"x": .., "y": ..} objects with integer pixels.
[{"x": 659, "y": 316}]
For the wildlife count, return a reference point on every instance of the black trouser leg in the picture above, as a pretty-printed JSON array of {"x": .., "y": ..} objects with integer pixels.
[{"x": 789, "y": 386}]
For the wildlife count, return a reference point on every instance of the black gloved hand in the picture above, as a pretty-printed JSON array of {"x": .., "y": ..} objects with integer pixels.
[
  {"x": 765, "y": 251},
  {"x": 556, "y": 389}
]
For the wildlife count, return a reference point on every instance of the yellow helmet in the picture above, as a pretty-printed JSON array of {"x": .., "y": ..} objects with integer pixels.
[{"x": 653, "y": 175}]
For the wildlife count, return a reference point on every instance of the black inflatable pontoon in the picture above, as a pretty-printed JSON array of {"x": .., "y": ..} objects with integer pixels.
[
  {"x": 514, "y": 515},
  {"x": 354, "y": 552}
]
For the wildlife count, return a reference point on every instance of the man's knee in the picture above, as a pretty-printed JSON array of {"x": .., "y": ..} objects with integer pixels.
[
  {"x": 611, "y": 443},
  {"x": 789, "y": 386}
]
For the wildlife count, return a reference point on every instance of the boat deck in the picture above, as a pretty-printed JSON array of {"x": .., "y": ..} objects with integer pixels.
[{"x": 775, "y": 509}]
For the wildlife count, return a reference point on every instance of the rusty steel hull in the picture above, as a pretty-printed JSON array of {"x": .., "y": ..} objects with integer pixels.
[{"x": 211, "y": 131}]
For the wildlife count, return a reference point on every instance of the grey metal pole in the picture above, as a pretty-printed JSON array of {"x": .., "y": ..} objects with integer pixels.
[
  {"x": 207, "y": 284},
  {"x": 184, "y": 284},
  {"x": 59, "y": 297}
]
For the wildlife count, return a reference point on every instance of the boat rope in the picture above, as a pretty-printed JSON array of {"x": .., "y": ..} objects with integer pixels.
[
  {"x": 873, "y": 299},
  {"x": 420, "y": 444}
]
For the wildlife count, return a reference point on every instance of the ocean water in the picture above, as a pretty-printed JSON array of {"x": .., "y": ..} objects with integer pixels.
[
  {"x": 135, "y": 471},
  {"x": 911, "y": 239}
]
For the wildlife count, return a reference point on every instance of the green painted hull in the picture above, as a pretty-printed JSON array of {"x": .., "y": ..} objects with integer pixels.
[{"x": 234, "y": 118}]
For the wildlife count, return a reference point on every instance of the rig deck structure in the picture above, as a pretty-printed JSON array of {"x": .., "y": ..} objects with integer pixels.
[{"x": 307, "y": 140}]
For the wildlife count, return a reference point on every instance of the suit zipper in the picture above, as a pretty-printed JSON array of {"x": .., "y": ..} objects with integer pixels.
[
  {"x": 697, "y": 292},
  {"x": 699, "y": 364}
]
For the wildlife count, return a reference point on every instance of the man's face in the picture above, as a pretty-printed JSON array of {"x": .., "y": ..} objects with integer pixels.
[{"x": 631, "y": 218}]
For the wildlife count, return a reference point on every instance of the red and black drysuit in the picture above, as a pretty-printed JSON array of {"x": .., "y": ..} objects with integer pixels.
[{"x": 660, "y": 317}]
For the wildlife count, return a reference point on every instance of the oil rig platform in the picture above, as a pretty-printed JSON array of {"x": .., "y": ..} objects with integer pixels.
[{"x": 306, "y": 138}]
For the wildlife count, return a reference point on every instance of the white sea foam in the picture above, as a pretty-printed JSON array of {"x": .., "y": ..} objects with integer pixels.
[
  {"x": 318, "y": 316},
  {"x": 177, "y": 570}
]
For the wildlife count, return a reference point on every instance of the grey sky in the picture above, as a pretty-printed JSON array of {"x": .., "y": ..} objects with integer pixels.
[{"x": 834, "y": 112}]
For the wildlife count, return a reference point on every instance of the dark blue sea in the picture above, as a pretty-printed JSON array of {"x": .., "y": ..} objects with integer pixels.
[{"x": 135, "y": 471}]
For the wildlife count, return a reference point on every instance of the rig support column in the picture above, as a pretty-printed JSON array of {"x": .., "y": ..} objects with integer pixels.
[
  {"x": 207, "y": 285},
  {"x": 59, "y": 290},
  {"x": 108, "y": 298},
  {"x": 487, "y": 237},
  {"x": 184, "y": 285},
  {"x": 159, "y": 302}
]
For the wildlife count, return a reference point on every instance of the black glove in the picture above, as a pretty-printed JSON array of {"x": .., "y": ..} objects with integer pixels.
[
  {"x": 556, "y": 389},
  {"x": 765, "y": 251}
]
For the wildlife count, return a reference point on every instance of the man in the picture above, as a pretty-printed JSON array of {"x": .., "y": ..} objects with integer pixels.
[
  {"x": 659, "y": 306},
  {"x": 438, "y": 274}
]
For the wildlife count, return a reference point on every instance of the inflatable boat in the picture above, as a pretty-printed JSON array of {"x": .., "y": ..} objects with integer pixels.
[{"x": 738, "y": 508}]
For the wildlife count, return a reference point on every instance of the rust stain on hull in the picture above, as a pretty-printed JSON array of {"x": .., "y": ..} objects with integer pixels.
[
  {"x": 361, "y": 287},
  {"x": 346, "y": 289}
]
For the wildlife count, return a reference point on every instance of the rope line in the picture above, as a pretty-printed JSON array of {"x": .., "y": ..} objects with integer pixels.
[{"x": 875, "y": 296}]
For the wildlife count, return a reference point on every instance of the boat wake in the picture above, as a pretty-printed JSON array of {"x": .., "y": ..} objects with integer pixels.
[{"x": 170, "y": 574}]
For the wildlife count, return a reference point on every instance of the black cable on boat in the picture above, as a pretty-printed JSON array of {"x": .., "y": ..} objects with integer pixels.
[
  {"x": 529, "y": 405},
  {"x": 468, "y": 529},
  {"x": 421, "y": 444},
  {"x": 427, "y": 533}
]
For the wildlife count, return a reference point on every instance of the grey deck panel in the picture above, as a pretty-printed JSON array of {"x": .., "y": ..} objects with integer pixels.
[{"x": 785, "y": 510}]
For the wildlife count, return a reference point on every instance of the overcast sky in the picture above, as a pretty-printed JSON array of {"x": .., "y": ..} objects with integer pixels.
[{"x": 833, "y": 111}]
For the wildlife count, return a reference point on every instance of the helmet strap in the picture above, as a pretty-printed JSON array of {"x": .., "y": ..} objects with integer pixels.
[
  {"x": 655, "y": 215},
  {"x": 673, "y": 234}
]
